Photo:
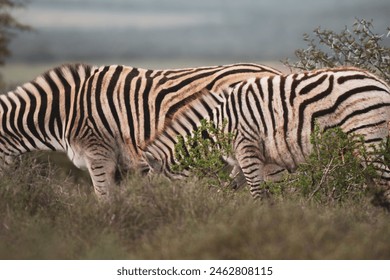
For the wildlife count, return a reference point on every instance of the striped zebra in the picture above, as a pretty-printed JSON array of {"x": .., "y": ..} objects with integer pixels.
[
  {"x": 99, "y": 116},
  {"x": 273, "y": 118}
]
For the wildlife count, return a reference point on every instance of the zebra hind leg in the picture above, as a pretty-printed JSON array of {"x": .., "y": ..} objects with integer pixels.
[
  {"x": 103, "y": 165},
  {"x": 248, "y": 158}
]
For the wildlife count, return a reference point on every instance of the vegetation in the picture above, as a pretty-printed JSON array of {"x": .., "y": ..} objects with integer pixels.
[
  {"x": 360, "y": 47},
  {"x": 338, "y": 170},
  {"x": 203, "y": 153},
  {"x": 44, "y": 214}
]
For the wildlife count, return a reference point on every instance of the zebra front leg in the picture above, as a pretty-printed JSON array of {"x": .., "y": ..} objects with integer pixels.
[{"x": 101, "y": 164}]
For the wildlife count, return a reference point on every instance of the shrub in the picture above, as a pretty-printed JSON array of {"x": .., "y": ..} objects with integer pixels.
[
  {"x": 337, "y": 170},
  {"x": 203, "y": 153},
  {"x": 360, "y": 47}
]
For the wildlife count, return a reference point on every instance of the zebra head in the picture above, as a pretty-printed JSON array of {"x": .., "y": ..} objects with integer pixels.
[{"x": 158, "y": 164}]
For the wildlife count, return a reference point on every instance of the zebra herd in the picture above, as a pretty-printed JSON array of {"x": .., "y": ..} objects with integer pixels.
[
  {"x": 114, "y": 119},
  {"x": 101, "y": 116}
]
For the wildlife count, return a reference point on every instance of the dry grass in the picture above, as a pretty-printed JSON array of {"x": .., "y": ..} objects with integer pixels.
[{"x": 45, "y": 213}]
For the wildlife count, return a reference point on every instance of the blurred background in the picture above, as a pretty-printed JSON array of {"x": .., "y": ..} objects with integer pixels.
[{"x": 174, "y": 33}]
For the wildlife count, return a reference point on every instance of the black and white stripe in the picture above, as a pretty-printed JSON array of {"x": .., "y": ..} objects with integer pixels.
[
  {"x": 273, "y": 118},
  {"x": 101, "y": 116}
]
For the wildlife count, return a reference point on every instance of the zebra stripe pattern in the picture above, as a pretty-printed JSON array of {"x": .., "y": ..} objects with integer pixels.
[
  {"x": 273, "y": 118},
  {"x": 101, "y": 116}
]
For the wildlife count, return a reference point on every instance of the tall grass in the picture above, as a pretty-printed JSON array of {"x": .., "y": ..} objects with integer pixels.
[{"x": 46, "y": 214}]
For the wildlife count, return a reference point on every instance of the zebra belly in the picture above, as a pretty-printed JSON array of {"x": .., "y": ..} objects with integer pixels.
[
  {"x": 283, "y": 150},
  {"x": 77, "y": 159}
]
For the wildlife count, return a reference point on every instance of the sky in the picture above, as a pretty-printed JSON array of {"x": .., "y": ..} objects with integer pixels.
[{"x": 178, "y": 30}]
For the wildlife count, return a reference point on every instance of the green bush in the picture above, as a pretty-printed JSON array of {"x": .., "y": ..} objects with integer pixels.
[
  {"x": 337, "y": 170},
  {"x": 203, "y": 152},
  {"x": 360, "y": 47}
]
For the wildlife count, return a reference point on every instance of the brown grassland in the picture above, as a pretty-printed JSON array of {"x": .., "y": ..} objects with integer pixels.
[{"x": 47, "y": 212}]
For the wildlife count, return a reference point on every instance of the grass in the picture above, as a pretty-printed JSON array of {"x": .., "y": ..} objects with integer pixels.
[{"x": 45, "y": 213}]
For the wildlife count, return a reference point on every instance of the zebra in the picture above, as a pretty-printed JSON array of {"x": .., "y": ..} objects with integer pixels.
[
  {"x": 100, "y": 116},
  {"x": 273, "y": 117}
]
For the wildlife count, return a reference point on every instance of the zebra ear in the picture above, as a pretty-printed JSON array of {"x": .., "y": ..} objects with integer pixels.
[{"x": 154, "y": 163}]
